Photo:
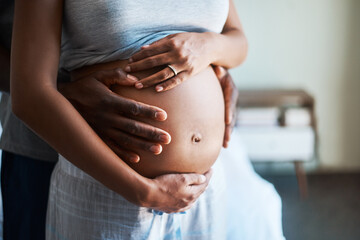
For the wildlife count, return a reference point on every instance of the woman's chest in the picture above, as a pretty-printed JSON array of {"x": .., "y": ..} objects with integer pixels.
[{"x": 126, "y": 21}]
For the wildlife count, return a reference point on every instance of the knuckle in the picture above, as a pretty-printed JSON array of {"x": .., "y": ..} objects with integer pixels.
[
  {"x": 176, "y": 81},
  {"x": 191, "y": 198},
  {"x": 151, "y": 62},
  {"x": 182, "y": 54},
  {"x": 183, "y": 203},
  {"x": 172, "y": 43},
  {"x": 119, "y": 74},
  {"x": 152, "y": 134},
  {"x": 147, "y": 53},
  {"x": 183, "y": 179},
  {"x": 164, "y": 75},
  {"x": 189, "y": 65},
  {"x": 132, "y": 127},
  {"x": 125, "y": 140},
  {"x": 105, "y": 101},
  {"x": 134, "y": 109}
]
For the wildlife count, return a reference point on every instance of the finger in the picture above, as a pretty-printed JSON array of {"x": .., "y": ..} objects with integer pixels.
[
  {"x": 172, "y": 82},
  {"x": 183, "y": 210},
  {"x": 140, "y": 129},
  {"x": 127, "y": 141},
  {"x": 149, "y": 62},
  {"x": 115, "y": 76},
  {"x": 227, "y": 135},
  {"x": 228, "y": 130},
  {"x": 234, "y": 98},
  {"x": 220, "y": 72},
  {"x": 158, "y": 77},
  {"x": 133, "y": 108},
  {"x": 228, "y": 103},
  {"x": 194, "y": 179},
  {"x": 230, "y": 96},
  {"x": 150, "y": 50},
  {"x": 125, "y": 155}
]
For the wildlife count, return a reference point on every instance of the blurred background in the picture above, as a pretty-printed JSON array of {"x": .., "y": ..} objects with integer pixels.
[{"x": 312, "y": 46}]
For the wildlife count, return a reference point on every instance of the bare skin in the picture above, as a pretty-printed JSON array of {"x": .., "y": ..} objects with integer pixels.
[
  {"x": 189, "y": 53},
  {"x": 231, "y": 95},
  {"x": 88, "y": 94},
  {"x": 37, "y": 101},
  {"x": 195, "y": 121}
]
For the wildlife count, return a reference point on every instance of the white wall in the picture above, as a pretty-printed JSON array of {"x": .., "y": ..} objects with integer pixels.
[{"x": 310, "y": 44}]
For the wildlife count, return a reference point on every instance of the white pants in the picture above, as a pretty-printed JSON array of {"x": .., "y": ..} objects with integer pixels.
[{"x": 81, "y": 208}]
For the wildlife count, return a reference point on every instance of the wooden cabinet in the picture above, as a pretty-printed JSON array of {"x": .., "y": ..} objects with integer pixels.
[{"x": 279, "y": 126}]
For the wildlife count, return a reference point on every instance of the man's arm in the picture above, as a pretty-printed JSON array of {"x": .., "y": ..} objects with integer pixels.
[
  {"x": 4, "y": 70},
  {"x": 101, "y": 108},
  {"x": 111, "y": 115}
]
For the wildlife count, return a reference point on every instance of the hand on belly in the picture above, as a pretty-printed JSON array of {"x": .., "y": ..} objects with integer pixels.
[
  {"x": 195, "y": 122},
  {"x": 195, "y": 111}
]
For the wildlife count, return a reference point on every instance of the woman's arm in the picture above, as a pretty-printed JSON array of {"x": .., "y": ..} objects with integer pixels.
[
  {"x": 35, "y": 99},
  {"x": 189, "y": 53}
]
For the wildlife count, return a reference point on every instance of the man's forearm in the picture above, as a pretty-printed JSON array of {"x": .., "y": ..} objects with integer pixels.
[{"x": 4, "y": 70}]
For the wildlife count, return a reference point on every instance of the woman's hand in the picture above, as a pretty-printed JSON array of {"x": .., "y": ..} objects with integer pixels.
[
  {"x": 230, "y": 98},
  {"x": 111, "y": 115},
  {"x": 188, "y": 54},
  {"x": 175, "y": 192}
]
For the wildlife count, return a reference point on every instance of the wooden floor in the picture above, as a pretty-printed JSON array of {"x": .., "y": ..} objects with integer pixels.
[{"x": 331, "y": 211}]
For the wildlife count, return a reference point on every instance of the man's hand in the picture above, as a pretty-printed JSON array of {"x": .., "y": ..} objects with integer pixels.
[
  {"x": 230, "y": 96},
  {"x": 175, "y": 192},
  {"x": 111, "y": 115}
]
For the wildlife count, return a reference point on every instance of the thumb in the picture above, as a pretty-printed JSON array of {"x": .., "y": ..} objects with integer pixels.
[
  {"x": 198, "y": 179},
  {"x": 219, "y": 71},
  {"x": 115, "y": 76},
  {"x": 195, "y": 179}
]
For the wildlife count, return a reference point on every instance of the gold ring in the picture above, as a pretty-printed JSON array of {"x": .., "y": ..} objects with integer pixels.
[{"x": 172, "y": 69}]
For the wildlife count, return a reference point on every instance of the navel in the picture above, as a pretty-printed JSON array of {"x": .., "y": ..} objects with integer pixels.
[{"x": 196, "y": 138}]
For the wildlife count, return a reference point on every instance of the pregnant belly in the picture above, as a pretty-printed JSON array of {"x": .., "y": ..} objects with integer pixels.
[{"x": 195, "y": 122}]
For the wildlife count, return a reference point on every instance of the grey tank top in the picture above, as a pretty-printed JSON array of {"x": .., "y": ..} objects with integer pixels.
[{"x": 100, "y": 31}]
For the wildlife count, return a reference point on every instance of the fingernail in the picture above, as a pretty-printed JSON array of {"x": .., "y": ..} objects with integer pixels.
[
  {"x": 164, "y": 138},
  {"x": 131, "y": 77},
  {"x": 156, "y": 149},
  {"x": 130, "y": 60},
  {"x": 139, "y": 85},
  {"x": 160, "y": 115},
  {"x": 159, "y": 88},
  {"x": 145, "y": 46},
  {"x": 230, "y": 119},
  {"x": 202, "y": 178},
  {"x": 127, "y": 68},
  {"x": 135, "y": 159}
]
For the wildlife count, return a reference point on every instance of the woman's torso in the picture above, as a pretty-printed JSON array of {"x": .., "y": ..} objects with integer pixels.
[
  {"x": 96, "y": 33},
  {"x": 102, "y": 31},
  {"x": 195, "y": 121}
]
